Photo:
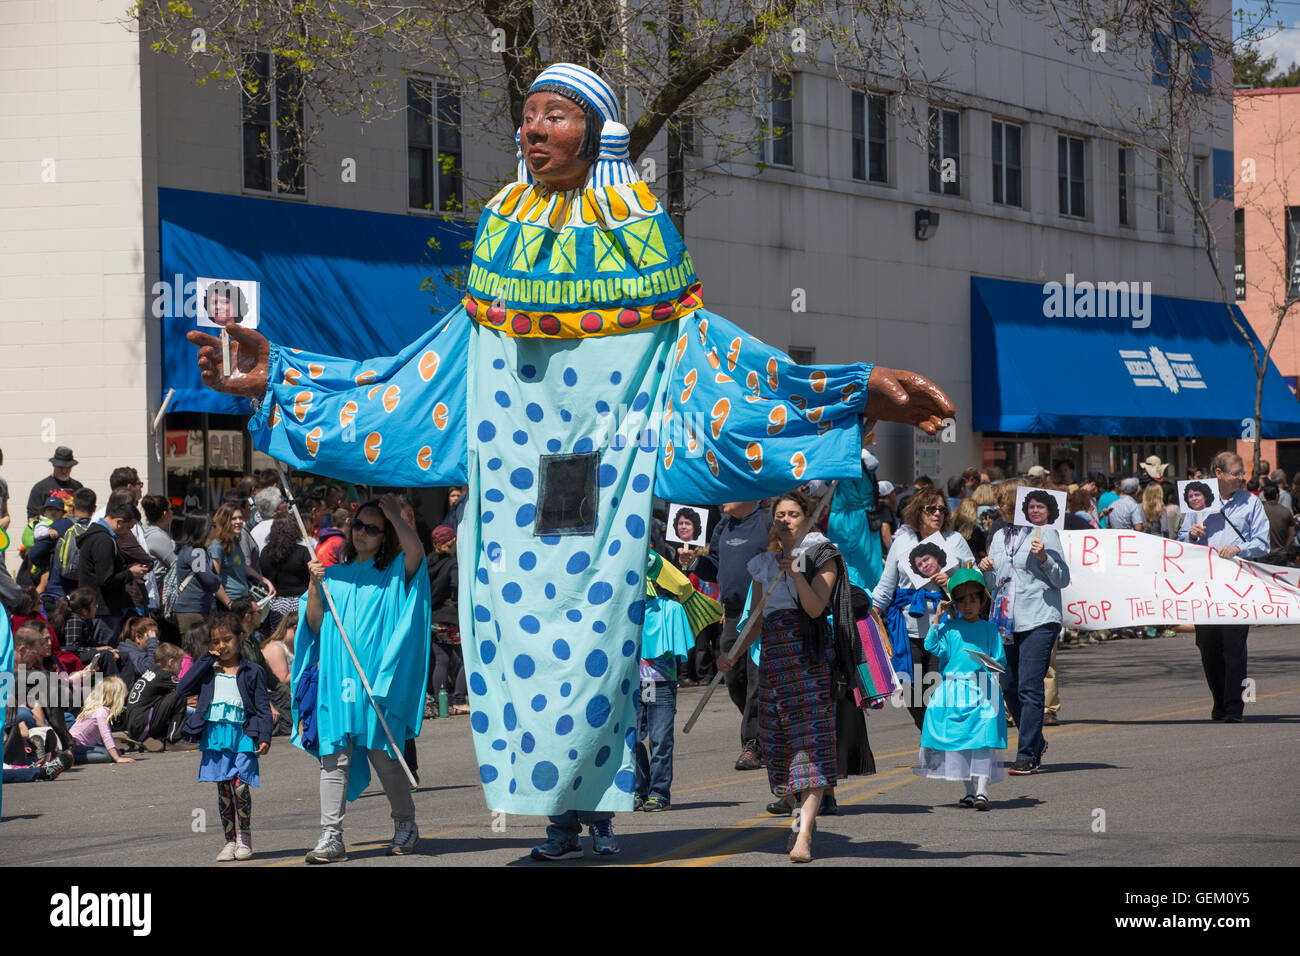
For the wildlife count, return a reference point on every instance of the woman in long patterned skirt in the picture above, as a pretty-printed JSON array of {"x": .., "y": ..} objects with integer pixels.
[{"x": 796, "y": 710}]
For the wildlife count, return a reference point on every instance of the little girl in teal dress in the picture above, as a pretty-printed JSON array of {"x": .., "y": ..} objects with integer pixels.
[{"x": 965, "y": 720}]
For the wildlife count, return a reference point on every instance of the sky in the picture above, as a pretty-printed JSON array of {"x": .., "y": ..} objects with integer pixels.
[{"x": 1283, "y": 43}]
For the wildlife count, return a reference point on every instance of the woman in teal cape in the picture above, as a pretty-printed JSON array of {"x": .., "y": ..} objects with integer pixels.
[{"x": 381, "y": 591}]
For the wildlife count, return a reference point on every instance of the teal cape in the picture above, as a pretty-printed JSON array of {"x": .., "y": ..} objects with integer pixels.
[
  {"x": 667, "y": 630},
  {"x": 848, "y": 527},
  {"x": 386, "y": 617}
]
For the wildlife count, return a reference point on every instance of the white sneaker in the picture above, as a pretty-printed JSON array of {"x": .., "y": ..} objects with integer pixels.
[
  {"x": 244, "y": 846},
  {"x": 405, "y": 836},
  {"x": 227, "y": 852},
  {"x": 329, "y": 849}
]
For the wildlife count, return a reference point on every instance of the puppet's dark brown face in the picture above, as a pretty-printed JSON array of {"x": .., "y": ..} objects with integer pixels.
[{"x": 551, "y": 136}]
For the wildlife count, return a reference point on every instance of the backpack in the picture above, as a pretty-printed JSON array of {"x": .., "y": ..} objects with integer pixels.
[
  {"x": 172, "y": 587},
  {"x": 66, "y": 551}
]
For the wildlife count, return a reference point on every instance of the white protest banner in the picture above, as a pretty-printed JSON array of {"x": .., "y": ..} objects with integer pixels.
[{"x": 1129, "y": 579}]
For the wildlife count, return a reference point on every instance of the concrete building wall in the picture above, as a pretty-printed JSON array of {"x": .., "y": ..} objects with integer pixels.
[{"x": 72, "y": 245}]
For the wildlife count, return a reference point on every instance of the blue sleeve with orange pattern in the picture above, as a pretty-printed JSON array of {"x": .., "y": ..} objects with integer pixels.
[
  {"x": 742, "y": 421},
  {"x": 397, "y": 421}
]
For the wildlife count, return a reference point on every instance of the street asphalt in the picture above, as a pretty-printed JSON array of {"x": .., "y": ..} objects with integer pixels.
[{"x": 1137, "y": 774}]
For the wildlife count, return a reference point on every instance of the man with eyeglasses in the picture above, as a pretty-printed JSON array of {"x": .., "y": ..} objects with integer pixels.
[{"x": 1239, "y": 529}]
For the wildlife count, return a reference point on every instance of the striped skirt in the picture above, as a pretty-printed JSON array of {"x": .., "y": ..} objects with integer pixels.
[{"x": 796, "y": 715}]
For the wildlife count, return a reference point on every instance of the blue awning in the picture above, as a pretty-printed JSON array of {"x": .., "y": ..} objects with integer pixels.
[
  {"x": 337, "y": 281},
  {"x": 1189, "y": 372}
]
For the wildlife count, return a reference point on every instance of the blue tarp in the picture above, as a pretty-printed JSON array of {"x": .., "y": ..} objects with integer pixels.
[
  {"x": 337, "y": 281},
  {"x": 1189, "y": 372}
]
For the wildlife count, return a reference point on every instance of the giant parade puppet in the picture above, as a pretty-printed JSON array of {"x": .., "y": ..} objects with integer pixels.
[{"x": 580, "y": 376}]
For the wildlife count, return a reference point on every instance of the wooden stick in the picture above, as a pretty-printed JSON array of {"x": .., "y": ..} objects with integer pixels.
[
  {"x": 329, "y": 599},
  {"x": 225, "y": 354},
  {"x": 756, "y": 615}
]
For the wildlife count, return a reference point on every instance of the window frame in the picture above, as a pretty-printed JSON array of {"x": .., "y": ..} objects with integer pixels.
[
  {"x": 998, "y": 152},
  {"x": 437, "y": 92},
  {"x": 1065, "y": 178},
  {"x": 870, "y": 136},
  {"x": 765, "y": 120},
  {"x": 1124, "y": 185},
  {"x": 1291, "y": 225},
  {"x": 1164, "y": 195},
  {"x": 937, "y": 149},
  {"x": 270, "y": 100},
  {"x": 1239, "y": 254},
  {"x": 1198, "y": 192}
]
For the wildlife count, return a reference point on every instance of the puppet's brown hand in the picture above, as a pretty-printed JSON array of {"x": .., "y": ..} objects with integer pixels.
[
  {"x": 250, "y": 358},
  {"x": 897, "y": 395}
]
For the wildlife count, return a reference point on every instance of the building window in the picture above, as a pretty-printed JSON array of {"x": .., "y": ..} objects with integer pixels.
[
  {"x": 1169, "y": 48},
  {"x": 1198, "y": 194},
  {"x": 1006, "y": 163},
  {"x": 686, "y": 129},
  {"x": 945, "y": 151},
  {"x": 802, "y": 355},
  {"x": 1239, "y": 253},
  {"x": 870, "y": 137},
  {"x": 774, "y": 126},
  {"x": 1070, "y": 175},
  {"x": 433, "y": 146},
  {"x": 1125, "y": 165},
  {"x": 1164, "y": 194},
  {"x": 1293, "y": 251},
  {"x": 272, "y": 119}
]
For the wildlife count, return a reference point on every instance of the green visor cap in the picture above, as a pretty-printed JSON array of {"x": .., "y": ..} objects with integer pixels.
[{"x": 966, "y": 576}]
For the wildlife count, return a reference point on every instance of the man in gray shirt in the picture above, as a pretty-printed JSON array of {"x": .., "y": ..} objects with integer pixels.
[{"x": 1124, "y": 512}]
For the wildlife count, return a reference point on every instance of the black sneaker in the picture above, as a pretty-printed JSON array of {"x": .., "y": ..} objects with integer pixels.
[
  {"x": 638, "y": 802},
  {"x": 655, "y": 804},
  {"x": 1023, "y": 768}
]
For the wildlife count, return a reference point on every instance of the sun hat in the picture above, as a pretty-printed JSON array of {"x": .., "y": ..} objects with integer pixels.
[{"x": 1155, "y": 467}]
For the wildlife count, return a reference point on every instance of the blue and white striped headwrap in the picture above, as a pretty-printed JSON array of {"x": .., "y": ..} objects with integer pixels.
[{"x": 612, "y": 164}]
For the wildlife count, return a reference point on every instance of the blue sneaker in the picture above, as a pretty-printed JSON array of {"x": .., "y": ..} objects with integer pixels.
[
  {"x": 557, "y": 850},
  {"x": 602, "y": 838}
]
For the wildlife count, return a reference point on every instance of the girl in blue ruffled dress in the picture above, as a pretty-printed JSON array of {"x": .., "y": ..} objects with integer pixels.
[
  {"x": 965, "y": 727},
  {"x": 233, "y": 724}
]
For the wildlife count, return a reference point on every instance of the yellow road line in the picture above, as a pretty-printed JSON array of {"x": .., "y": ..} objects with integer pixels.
[
  {"x": 767, "y": 820},
  {"x": 754, "y": 840},
  {"x": 745, "y": 841}
]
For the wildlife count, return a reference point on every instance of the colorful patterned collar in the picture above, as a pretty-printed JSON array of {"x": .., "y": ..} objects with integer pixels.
[{"x": 577, "y": 263}]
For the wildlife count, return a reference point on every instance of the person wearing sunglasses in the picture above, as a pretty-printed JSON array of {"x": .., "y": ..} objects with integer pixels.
[
  {"x": 907, "y": 610},
  {"x": 381, "y": 590}
]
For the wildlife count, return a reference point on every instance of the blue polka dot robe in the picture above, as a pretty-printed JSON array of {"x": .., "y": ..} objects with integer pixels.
[{"x": 580, "y": 376}]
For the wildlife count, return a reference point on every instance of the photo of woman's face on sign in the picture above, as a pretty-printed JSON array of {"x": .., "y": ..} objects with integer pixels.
[
  {"x": 1040, "y": 508},
  {"x": 688, "y": 524},
  {"x": 226, "y": 302},
  {"x": 1198, "y": 496},
  {"x": 927, "y": 558}
]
